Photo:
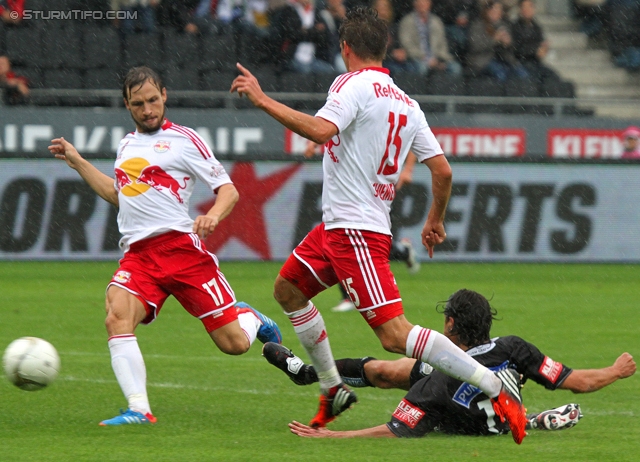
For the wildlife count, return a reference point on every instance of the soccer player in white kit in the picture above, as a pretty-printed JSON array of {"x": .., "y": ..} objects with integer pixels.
[
  {"x": 155, "y": 172},
  {"x": 368, "y": 126}
]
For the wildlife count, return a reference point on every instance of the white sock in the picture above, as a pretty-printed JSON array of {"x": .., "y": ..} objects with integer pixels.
[
  {"x": 250, "y": 324},
  {"x": 434, "y": 348},
  {"x": 128, "y": 365},
  {"x": 310, "y": 329}
]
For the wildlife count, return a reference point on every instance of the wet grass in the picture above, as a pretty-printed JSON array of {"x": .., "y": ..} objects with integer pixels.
[{"x": 216, "y": 407}]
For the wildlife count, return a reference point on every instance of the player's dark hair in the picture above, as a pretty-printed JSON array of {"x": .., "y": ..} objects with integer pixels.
[
  {"x": 472, "y": 316},
  {"x": 365, "y": 33},
  {"x": 136, "y": 77}
]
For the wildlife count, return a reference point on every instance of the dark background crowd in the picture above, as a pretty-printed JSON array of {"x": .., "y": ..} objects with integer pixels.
[{"x": 451, "y": 47}]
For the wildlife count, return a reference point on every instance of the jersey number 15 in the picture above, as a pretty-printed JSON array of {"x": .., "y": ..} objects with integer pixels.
[{"x": 390, "y": 166}]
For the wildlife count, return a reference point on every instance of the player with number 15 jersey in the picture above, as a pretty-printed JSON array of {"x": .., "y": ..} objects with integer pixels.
[
  {"x": 378, "y": 125},
  {"x": 368, "y": 125}
]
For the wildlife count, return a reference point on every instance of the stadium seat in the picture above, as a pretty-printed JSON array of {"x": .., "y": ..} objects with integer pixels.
[
  {"x": 522, "y": 88},
  {"x": 3, "y": 39},
  {"x": 217, "y": 52},
  {"x": 410, "y": 82},
  {"x": 180, "y": 49},
  {"x": 33, "y": 74},
  {"x": 143, "y": 49},
  {"x": 555, "y": 88},
  {"x": 294, "y": 82},
  {"x": 23, "y": 46},
  {"x": 482, "y": 86},
  {"x": 61, "y": 48},
  {"x": 102, "y": 79},
  {"x": 62, "y": 78},
  {"x": 176, "y": 78},
  {"x": 217, "y": 80},
  {"x": 252, "y": 50},
  {"x": 323, "y": 81},
  {"x": 440, "y": 83},
  {"x": 267, "y": 77},
  {"x": 101, "y": 47}
]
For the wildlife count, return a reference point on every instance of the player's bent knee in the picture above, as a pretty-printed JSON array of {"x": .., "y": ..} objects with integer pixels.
[
  {"x": 392, "y": 344},
  {"x": 234, "y": 346}
]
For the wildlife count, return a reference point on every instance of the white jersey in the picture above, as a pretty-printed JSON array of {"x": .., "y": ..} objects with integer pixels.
[
  {"x": 155, "y": 174},
  {"x": 378, "y": 124}
]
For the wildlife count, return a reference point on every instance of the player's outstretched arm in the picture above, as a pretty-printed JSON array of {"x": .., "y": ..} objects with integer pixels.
[
  {"x": 433, "y": 231},
  {"x": 312, "y": 128},
  {"x": 588, "y": 380},
  {"x": 381, "y": 431},
  {"x": 102, "y": 184},
  {"x": 204, "y": 225}
]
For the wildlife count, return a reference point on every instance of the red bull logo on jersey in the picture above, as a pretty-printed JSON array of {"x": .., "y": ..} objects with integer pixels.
[
  {"x": 162, "y": 146},
  {"x": 408, "y": 413},
  {"x": 160, "y": 180},
  {"x": 329, "y": 145},
  {"x": 388, "y": 91},
  {"x": 135, "y": 176},
  {"x": 122, "y": 179}
]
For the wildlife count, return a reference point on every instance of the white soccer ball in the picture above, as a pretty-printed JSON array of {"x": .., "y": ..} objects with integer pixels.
[{"x": 31, "y": 363}]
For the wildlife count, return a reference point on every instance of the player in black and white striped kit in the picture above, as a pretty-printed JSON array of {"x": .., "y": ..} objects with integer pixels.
[{"x": 437, "y": 402}]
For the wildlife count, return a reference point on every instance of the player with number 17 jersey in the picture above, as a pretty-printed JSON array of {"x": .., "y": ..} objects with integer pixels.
[{"x": 378, "y": 124}]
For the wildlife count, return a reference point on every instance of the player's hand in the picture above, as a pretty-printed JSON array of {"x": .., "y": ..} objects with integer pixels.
[
  {"x": 307, "y": 432},
  {"x": 432, "y": 235},
  {"x": 204, "y": 225},
  {"x": 247, "y": 84},
  {"x": 64, "y": 150},
  {"x": 625, "y": 365},
  {"x": 405, "y": 177}
]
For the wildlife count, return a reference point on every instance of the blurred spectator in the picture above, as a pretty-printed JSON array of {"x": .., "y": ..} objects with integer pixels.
[
  {"x": 190, "y": 16},
  {"x": 300, "y": 38},
  {"x": 396, "y": 59},
  {"x": 422, "y": 35},
  {"x": 623, "y": 32},
  {"x": 11, "y": 11},
  {"x": 630, "y": 142},
  {"x": 490, "y": 46},
  {"x": 456, "y": 16},
  {"x": 529, "y": 45},
  {"x": 144, "y": 12},
  {"x": 592, "y": 15},
  {"x": 16, "y": 87},
  {"x": 333, "y": 15}
]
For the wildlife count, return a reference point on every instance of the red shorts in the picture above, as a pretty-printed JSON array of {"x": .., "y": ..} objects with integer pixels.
[
  {"x": 177, "y": 264},
  {"x": 357, "y": 259}
]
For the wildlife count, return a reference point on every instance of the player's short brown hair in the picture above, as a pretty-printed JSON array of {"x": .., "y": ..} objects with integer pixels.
[
  {"x": 365, "y": 33},
  {"x": 136, "y": 77},
  {"x": 472, "y": 317}
]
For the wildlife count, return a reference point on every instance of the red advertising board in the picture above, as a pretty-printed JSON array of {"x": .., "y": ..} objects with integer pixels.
[
  {"x": 584, "y": 143},
  {"x": 498, "y": 142}
]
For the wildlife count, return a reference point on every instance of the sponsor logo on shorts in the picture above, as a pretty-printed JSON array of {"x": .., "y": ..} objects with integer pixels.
[
  {"x": 371, "y": 314},
  {"x": 550, "y": 369},
  {"x": 408, "y": 413},
  {"x": 466, "y": 392},
  {"x": 162, "y": 146},
  {"x": 122, "y": 277}
]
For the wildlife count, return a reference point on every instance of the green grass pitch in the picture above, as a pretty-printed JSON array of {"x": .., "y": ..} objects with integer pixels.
[{"x": 216, "y": 407}]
